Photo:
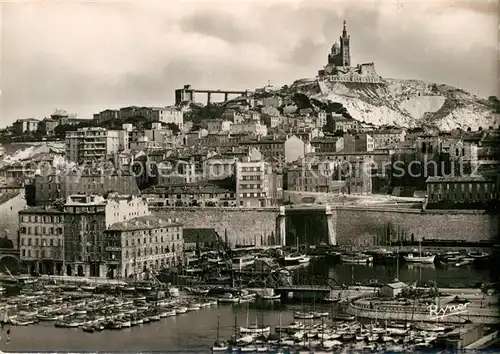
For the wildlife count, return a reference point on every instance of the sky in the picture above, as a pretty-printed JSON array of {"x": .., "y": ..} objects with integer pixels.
[{"x": 88, "y": 56}]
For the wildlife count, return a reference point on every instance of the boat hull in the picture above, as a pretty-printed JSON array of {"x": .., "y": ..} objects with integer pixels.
[{"x": 420, "y": 259}]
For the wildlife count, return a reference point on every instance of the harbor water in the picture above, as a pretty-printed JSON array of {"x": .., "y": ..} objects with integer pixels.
[
  {"x": 444, "y": 276},
  {"x": 196, "y": 331}
]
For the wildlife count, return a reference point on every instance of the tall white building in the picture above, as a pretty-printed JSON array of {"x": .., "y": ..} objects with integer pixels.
[
  {"x": 168, "y": 115},
  {"x": 91, "y": 144},
  {"x": 252, "y": 184}
]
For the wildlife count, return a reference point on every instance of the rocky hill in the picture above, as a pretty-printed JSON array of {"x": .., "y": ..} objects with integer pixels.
[{"x": 405, "y": 103}]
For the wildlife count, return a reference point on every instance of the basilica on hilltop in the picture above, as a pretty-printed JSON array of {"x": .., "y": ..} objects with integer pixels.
[{"x": 339, "y": 65}]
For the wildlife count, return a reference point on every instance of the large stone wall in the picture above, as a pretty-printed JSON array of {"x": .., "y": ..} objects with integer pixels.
[
  {"x": 352, "y": 225},
  {"x": 360, "y": 225},
  {"x": 242, "y": 225}
]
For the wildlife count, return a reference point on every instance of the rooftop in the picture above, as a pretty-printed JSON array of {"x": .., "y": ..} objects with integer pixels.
[
  {"x": 189, "y": 188},
  {"x": 41, "y": 210},
  {"x": 440, "y": 179}
]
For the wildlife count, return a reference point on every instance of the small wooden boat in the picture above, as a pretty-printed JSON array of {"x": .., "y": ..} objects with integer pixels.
[
  {"x": 67, "y": 324},
  {"x": 126, "y": 324},
  {"x": 170, "y": 313},
  {"x": 22, "y": 321},
  {"x": 88, "y": 329},
  {"x": 303, "y": 315},
  {"x": 429, "y": 327},
  {"x": 80, "y": 312},
  {"x": 419, "y": 259},
  {"x": 99, "y": 327},
  {"x": 342, "y": 317},
  {"x": 49, "y": 317},
  {"x": 194, "y": 307},
  {"x": 271, "y": 297},
  {"x": 220, "y": 347},
  {"x": 478, "y": 255},
  {"x": 154, "y": 317},
  {"x": 331, "y": 299},
  {"x": 255, "y": 330},
  {"x": 144, "y": 287},
  {"x": 357, "y": 258},
  {"x": 317, "y": 314},
  {"x": 180, "y": 310},
  {"x": 88, "y": 287},
  {"x": 228, "y": 299}
]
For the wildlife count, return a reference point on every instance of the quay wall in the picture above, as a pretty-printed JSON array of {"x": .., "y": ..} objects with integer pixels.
[
  {"x": 243, "y": 226},
  {"x": 420, "y": 314},
  {"x": 357, "y": 225},
  {"x": 352, "y": 225}
]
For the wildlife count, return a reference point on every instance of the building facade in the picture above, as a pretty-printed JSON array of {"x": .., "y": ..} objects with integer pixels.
[
  {"x": 86, "y": 217},
  {"x": 51, "y": 187},
  {"x": 253, "y": 184},
  {"x": 91, "y": 144},
  {"x": 464, "y": 190},
  {"x": 27, "y": 125},
  {"x": 41, "y": 240},
  {"x": 143, "y": 244}
]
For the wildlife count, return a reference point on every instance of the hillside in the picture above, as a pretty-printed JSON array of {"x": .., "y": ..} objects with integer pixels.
[{"x": 405, "y": 103}]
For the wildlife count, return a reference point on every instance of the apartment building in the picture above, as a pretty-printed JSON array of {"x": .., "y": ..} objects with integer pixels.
[
  {"x": 253, "y": 184},
  {"x": 358, "y": 143},
  {"x": 168, "y": 115},
  {"x": 248, "y": 127},
  {"x": 86, "y": 217},
  {"x": 287, "y": 149},
  {"x": 26, "y": 125},
  {"x": 328, "y": 144},
  {"x": 106, "y": 115},
  {"x": 142, "y": 244},
  {"x": 387, "y": 137},
  {"x": 48, "y": 188},
  {"x": 462, "y": 190},
  {"x": 41, "y": 239},
  {"x": 91, "y": 144}
]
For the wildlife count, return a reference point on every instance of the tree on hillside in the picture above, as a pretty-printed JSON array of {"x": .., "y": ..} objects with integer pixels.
[
  {"x": 301, "y": 100},
  {"x": 334, "y": 107},
  {"x": 330, "y": 125},
  {"x": 174, "y": 128},
  {"x": 60, "y": 130}
]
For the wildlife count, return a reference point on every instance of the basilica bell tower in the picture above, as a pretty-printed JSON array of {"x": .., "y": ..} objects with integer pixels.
[{"x": 344, "y": 47}]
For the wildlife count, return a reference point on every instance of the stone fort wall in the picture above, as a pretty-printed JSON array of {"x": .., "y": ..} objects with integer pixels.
[
  {"x": 242, "y": 225},
  {"x": 353, "y": 225},
  {"x": 360, "y": 225}
]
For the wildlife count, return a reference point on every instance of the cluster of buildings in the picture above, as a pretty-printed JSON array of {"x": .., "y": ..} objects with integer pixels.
[
  {"x": 88, "y": 221},
  {"x": 85, "y": 234}
]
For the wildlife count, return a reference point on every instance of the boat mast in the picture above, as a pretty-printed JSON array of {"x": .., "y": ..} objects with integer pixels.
[
  {"x": 279, "y": 341},
  {"x": 235, "y": 328},
  {"x": 218, "y": 318},
  {"x": 397, "y": 263}
]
